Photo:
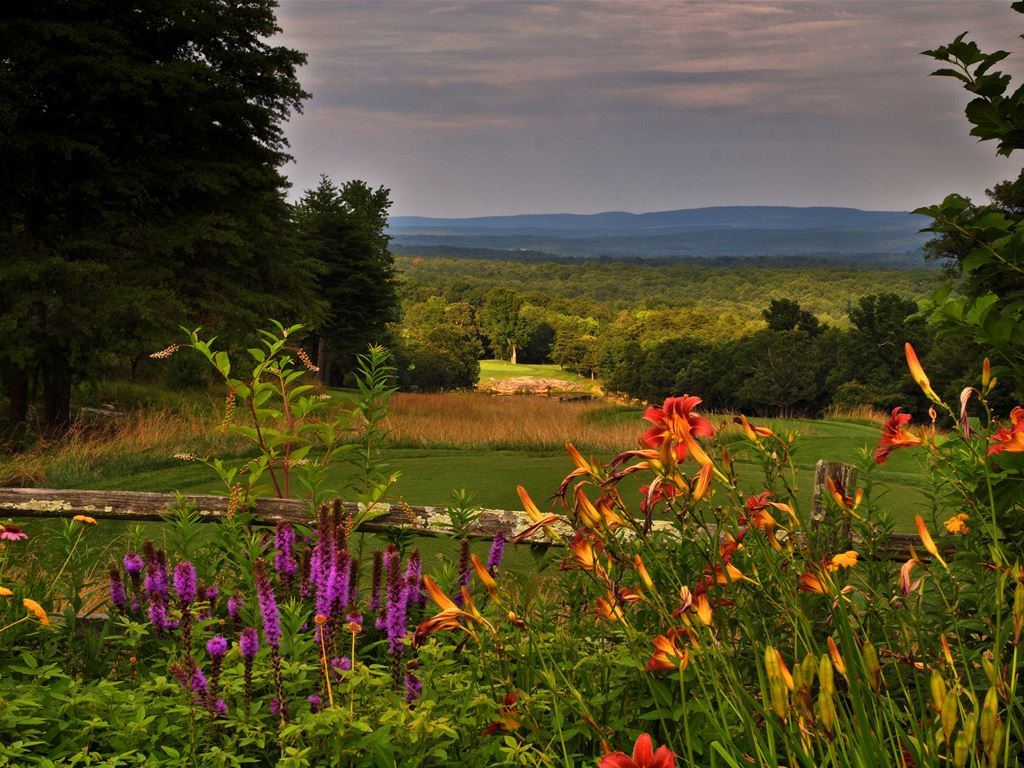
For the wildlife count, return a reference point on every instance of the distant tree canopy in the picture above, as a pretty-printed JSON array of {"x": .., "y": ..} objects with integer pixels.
[
  {"x": 140, "y": 144},
  {"x": 343, "y": 228}
]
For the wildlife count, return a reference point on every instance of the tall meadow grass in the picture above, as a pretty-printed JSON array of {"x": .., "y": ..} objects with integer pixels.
[{"x": 466, "y": 420}]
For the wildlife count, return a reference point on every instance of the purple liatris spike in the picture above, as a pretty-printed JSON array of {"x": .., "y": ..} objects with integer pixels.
[
  {"x": 378, "y": 573},
  {"x": 235, "y": 608},
  {"x": 158, "y": 613},
  {"x": 133, "y": 564},
  {"x": 413, "y": 687},
  {"x": 118, "y": 598},
  {"x": 497, "y": 552},
  {"x": 185, "y": 582},
  {"x": 275, "y": 707},
  {"x": 220, "y": 707},
  {"x": 284, "y": 561},
  {"x": 211, "y": 594},
  {"x": 395, "y": 611},
  {"x": 249, "y": 643},
  {"x": 217, "y": 646},
  {"x": 268, "y": 605},
  {"x": 314, "y": 703},
  {"x": 198, "y": 682},
  {"x": 411, "y": 587}
]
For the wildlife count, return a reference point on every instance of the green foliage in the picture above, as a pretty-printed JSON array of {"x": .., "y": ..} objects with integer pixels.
[
  {"x": 987, "y": 241},
  {"x": 440, "y": 346},
  {"x": 344, "y": 229},
  {"x": 140, "y": 155}
]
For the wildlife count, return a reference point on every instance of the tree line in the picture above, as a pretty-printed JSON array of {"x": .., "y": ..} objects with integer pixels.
[{"x": 141, "y": 148}]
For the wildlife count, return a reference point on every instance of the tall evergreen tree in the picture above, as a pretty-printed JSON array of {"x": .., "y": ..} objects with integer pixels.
[
  {"x": 140, "y": 142},
  {"x": 344, "y": 228}
]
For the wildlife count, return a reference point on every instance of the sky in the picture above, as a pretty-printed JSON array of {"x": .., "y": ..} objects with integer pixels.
[{"x": 504, "y": 107}]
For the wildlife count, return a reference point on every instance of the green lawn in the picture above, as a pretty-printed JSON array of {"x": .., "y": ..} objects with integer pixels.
[
  {"x": 428, "y": 476},
  {"x": 500, "y": 369}
]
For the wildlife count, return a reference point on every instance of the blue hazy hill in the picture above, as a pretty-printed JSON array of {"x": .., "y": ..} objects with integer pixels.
[{"x": 717, "y": 231}]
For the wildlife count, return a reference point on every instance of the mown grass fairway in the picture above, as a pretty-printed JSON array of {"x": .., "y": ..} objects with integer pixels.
[{"x": 485, "y": 444}]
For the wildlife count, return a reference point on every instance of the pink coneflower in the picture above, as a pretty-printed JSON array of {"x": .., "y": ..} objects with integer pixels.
[{"x": 12, "y": 533}]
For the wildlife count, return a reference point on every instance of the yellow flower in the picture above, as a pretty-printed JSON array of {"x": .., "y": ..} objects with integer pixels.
[
  {"x": 5, "y": 592},
  {"x": 957, "y": 524},
  {"x": 846, "y": 559},
  {"x": 36, "y": 610},
  {"x": 84, "y": 519}
]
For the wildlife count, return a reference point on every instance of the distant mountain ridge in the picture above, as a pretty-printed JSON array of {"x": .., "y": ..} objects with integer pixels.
[{"x": 713, "y": 231}]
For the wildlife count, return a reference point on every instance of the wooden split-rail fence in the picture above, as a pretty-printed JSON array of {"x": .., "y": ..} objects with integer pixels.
[{"x": 419, "y": 520}]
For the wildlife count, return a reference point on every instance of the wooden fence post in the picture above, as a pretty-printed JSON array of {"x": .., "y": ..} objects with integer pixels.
[{"x": 830, "y": 534}]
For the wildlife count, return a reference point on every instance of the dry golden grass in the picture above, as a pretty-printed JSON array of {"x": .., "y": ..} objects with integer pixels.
[
  {"x": 857, "y": 413},
  {"x": 136, "y": 436},
  {"x": 467, "y": 420}
]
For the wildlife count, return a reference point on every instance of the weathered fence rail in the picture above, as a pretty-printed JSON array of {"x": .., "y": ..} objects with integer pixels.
[{"x": 422, "y": 520}]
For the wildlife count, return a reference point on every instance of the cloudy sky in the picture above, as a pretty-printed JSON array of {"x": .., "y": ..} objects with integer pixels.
[{"x": 500, "y": 107}]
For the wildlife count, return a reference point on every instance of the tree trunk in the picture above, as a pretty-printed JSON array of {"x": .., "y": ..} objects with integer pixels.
[
  {"x": 57, "y": 396},
  {"x": 321, "y": 361},
  {"x": 17, "y": 392},
  {"x": 512, "y": 357}
]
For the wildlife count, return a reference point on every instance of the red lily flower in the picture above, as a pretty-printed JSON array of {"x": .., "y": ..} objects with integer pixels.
[
  {"x": 675, "y": 421},
  {"x": 1010, "y": 439},
  {"x": 644, "y": 756},
  {"x": 894, "y": 436}
]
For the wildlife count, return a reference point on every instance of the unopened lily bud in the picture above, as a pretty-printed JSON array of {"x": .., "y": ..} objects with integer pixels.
[
  {"x": 938, "y": 686},
  {"x": 986, "y": 375},
  {"x": 989, "y": 669},
  {"x": 961, "y": 750},
  {"x": 969, "y": 729},
  {"x": 825, "y": 676},
  {"x": 771, "y": 663},
  {"x": 989, "y": 720},
  {"x": 780, "y": 699},
  {"x": 950, "y": 714},
  {"x": 826, "y": 705},
  {"x": 992, "y": 753},
  {"x": 871, "y": 666},
  {"x": 809, "y": 667}
]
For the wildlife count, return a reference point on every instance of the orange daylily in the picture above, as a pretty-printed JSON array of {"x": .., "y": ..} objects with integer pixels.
[
  {"x": 508, "y": 716},
  {"x": 846, "y": 559},
  {"x": 583, "y": 467},
  {"x": 957, "y": 524},
  {"x": 727, "y": 574},
  {"x": 811, "y": 582},
  {"x": 539, "y": 521},
  {"x": 642, "y": 570},
  {"x": 600, "y": 516},
  {"x": 610, "y": 606},
  {"x": 36, "y": 610},
  {"x": 667, "y": 654},
  {"x": 644, "y": 756},
  {"x": 837, "y": 659},
  {"x": 587, "y": 555},
  {"x": 675, "y": 421},
  {"x": 1010, "y": 439},
  {"x": 451, "y": 615},
  {"x": 906, "y": 586},
  {"x": 895, "y": 436},
  {"x": 5, "y": 592},
  {"x": 485, "y": 577},
  {"x": 848, "y": 503},
  {"x": 927, "y": 540},
  {"x": 701, "y": 482},
  {"x": 84, "y": 519},
  {"x": 918, "y": 374},
  {"x": 752, "y": 432}
]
